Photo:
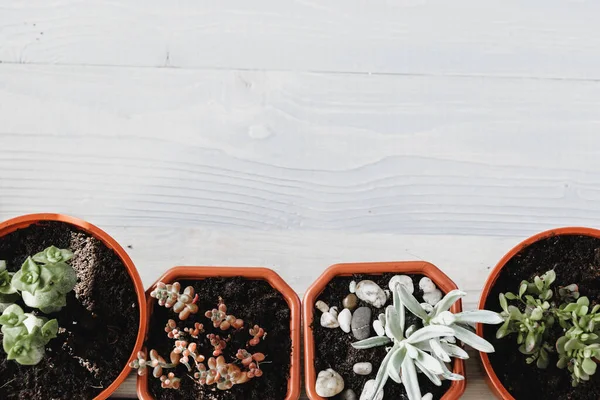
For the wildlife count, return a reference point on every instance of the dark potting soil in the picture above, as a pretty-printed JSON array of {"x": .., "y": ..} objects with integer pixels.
[
  {"x": 575, "y": 259},
  {"x": 333, "y": 347},
  {"x": 97, "y": 328},
  {"x": 254, "y": 301}
]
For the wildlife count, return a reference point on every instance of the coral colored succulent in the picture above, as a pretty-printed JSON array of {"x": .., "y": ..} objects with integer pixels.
[
  {"x": 216, "y": 371},
  {"x": 221, "y": 320}
]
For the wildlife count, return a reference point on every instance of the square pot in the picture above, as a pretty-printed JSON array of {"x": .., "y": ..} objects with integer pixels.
[
  {"x": 251, "y": 273},
  {"x": 441, "y": 280}
]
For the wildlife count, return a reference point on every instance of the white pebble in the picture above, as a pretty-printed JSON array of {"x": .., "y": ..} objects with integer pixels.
[
  {"x": 334, "y": 311},
  {"x": 404, "y": 280},
  {"x": 322, "y": 306},
  {"x": 352, "y": 287},
  {"x": 362, "y": 368},
  {"x": 371, "y": 293},
  {"x": 426, "y": 285},
  {"x": 369, "y": 390},
  {"x": 378, "y": 328},
  {"x": 344, "y": 319},
  {"x": 433, "y": 297},
  {"x": 329, "y": 321},
  {"x": 329, "y": 383},
  {"x": 427, "y": 396}
]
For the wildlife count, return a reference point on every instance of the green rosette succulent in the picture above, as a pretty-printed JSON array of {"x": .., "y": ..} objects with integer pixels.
[
  {"x": 45, "y": 279},
  {"x": 26, "y": 335}
]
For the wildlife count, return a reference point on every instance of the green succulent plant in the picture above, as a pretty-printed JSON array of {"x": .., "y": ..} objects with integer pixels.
[
  {"x": 580, "y": 344},
  {"x": 8, "y": 293},
  {"x": 428, "y": 348},
  {"x": 537, "y": 312},
  {"x": 25, "y": 335},
  {"x": 43, "y": 282},
  {"x": 45, "y": 279}
]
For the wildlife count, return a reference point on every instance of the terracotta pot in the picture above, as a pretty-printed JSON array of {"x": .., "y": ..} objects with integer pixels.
[
  {"x": 26, "y": 220},
  {"x": 442, "y": 281},
  {"x": 199, "y": 273},
  {"x": 494, "y": 383}
]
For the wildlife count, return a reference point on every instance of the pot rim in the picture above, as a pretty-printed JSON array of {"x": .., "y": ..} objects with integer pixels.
[
  {"x": 492, "y": 379},
  {"x": 441, "y": 280},
  {"x": 24, "y": 221},
  {"x": 253, "y": 273}
]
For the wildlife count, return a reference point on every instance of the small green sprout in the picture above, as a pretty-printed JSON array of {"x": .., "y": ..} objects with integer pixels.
[
  {"x": 25, "y": 335},
  {"x": 537, "y": 313}
]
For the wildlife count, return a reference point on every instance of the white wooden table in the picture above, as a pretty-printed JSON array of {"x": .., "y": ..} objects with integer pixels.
[{"x": 298, "y": 134}]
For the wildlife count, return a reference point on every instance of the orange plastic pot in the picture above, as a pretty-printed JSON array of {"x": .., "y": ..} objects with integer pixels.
[
  {"x": 442, "y": 281},
  {"x": 26, "y": 220},
  {"x": 199, "y": 273},
  {"x": 492, "y": 379}
]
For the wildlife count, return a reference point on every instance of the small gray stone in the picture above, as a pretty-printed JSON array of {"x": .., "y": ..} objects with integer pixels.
[
  {"x": 344, "y": 319},
  {"x": 368, "y": 391},
  {"x": 350, "y": 302},
  {"x": 361, "y": 323},
  {"x": 348, "y": 394},
  {"x": 329, "y": 383},
  {"x": 362, "y": 368},
  {"x": 371, "y": 293}
]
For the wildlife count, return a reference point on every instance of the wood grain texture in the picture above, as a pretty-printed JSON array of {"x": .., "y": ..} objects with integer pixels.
[
  {"x": 541, "y": 38},
  {"x": 300, "y": 151}
]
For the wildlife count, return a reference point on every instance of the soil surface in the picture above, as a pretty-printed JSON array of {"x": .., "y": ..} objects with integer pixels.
[
  {"x": 97, "y": 328},
  {"x": 254, "y": 301},
  {"x": 333, "y": 346},
  {"x": 575, "y": 259}
]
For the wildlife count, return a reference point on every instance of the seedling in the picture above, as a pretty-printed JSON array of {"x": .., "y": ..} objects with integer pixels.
[
  {"x": 25, "y": 335},
  {"x": 43, "y": 282},
  {"x": 536, "y": 312},
  {"x": 221, "y": 320},
  {"x": 216, "y": 371}
]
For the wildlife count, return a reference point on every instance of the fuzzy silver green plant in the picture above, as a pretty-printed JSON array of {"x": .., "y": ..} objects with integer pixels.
[
  {"x": 25, "y": 335},
  {"x": 45, "y": 279},
  {"x": 424, "y": 349}
]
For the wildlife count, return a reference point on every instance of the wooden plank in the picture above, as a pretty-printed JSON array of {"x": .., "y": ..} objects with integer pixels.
[
  {"x": 542, "y": 38},
  {"x": 300, "y": 151}
]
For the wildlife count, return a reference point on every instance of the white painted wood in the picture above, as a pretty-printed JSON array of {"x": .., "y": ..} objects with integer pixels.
[
  {"x": 550, "y": 38},
  {"x": 299, "y": 151},
  {"x": 297, "y": 171}
]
